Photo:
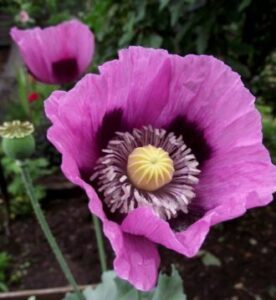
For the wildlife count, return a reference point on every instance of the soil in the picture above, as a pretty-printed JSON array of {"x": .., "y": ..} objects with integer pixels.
[{"x": 245, "y": 247}]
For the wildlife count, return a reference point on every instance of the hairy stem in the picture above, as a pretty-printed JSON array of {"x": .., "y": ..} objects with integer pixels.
[
  {"x": 100, "y": 243},
  {"x": 46, "y": 229}
]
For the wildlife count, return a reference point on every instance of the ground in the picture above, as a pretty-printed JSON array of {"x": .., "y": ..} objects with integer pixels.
[{"x": 245, "y": 247}]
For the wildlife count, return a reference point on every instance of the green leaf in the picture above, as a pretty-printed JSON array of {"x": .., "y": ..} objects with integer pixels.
[
  {"x": 131, "y": 295},
  {"x": 107, "y": 290},
  {"x": 208, "y": 259},
  {"x": 126, "y": 38},
  {"x": 141, "y": 11},
  {"x": 202, "y": 40},
  {"x": 244, "y": 4},
  {"x": 3, "y": 287},
  {"x": 175, "y": 13},
  {"x": 147, "y": 296},
  {"x": 169, "y": 287},
  {"x": 163, "y": 4},
  {"x": 71, "y": 296},
  {"x": 114, "y": 288},
  {"x": 123, "y": 287},
  {"x": 4, "y": 263},
  {"x": 154, "y": 41}
]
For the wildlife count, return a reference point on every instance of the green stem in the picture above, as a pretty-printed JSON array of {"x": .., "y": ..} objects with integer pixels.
[
  {"x": 23, "y": 92},
  {"x": 46, "y": 229},
  {"x": 100, "y": 243},
  {"x": 139, "y": 295}
]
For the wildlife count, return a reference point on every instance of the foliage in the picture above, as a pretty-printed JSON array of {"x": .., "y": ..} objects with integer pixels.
[
  {"x": 264, "y": 83},
  {"x": 113, "y": 288},
  {"x": 20, "y": 204},
  {"x": 4, "y": 263},
  {"x": 221, "y": 28},
  {"x": 43, "y": 11},
  {"x": 209, "y": 259},
  {"x": 20, "y": 271},
  {"x": 237, "y": 31},
  {"x": 269, "y": 129},
  {"x": 21, "y": 108}
]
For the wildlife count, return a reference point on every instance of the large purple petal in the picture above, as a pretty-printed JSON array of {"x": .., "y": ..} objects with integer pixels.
[
  {"x": 224, "y": 109},
  {"x": 239, "y": 175},
  {"x": 144, "y": 222},
  {"x": 137, "y": 261},
  {"x": 139, "y": 83},
  {"x": 75, "y": 123}
]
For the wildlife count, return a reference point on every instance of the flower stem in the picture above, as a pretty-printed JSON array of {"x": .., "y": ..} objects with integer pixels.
[
  {"x": 100, "y": 243},
  {"x": 139, "y": 295},
  {"x": 6, "y": 198},
  {"x": 46, "y": 229}
]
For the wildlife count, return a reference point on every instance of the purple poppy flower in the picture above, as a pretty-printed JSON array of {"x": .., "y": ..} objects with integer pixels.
[
  {"x": 173, "y": 145},
  {"x": 57, "y": 54}
]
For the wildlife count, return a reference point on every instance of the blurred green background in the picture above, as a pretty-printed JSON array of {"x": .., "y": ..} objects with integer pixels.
[{"x": 240, "y": 32}]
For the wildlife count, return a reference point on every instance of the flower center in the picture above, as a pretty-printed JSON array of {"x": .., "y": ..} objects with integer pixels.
[
  {"x": 149, "y": 168},
  {"x": 16, "y": 129}
]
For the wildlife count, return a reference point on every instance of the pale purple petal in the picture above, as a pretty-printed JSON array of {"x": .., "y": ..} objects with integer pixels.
[
  {"x": 31, "y": 50},
  {"x": 139, "y": 83},
  {"x": 56, "y": 54},
  {"x": 239, "y": 175},
  {"x": 138, "y": 261},
  {"x": 212, "y": 96},
  {"x": 74, "y": 122},
  {"x": 144, "y": 222}
]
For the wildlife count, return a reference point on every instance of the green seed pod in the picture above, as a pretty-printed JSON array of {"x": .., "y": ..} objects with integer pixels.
[
  {"x": 19, "y": 148},
  {"x": 18, "y": 141}
]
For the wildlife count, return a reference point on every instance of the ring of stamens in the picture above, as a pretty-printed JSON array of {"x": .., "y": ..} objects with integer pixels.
[{"x": 167, "y": 197}]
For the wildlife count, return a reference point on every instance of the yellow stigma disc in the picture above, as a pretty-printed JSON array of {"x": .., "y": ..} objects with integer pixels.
[{"x": 149, "y": 168}]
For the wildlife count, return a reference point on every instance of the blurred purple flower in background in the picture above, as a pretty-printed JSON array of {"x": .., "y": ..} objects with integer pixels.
[
  {"x": 57, "y": 54},
  {"x": 23, "y": 17},
  {"x": 206, "y": 163}
]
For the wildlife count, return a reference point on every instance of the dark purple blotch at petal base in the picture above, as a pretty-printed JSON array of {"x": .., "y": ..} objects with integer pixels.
[
  {"x": 193, "y": 137},
  {"x": 112, "y": 122},
  {"x": 65, "y": 70},
  {"x": 183, "y": 220}
]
